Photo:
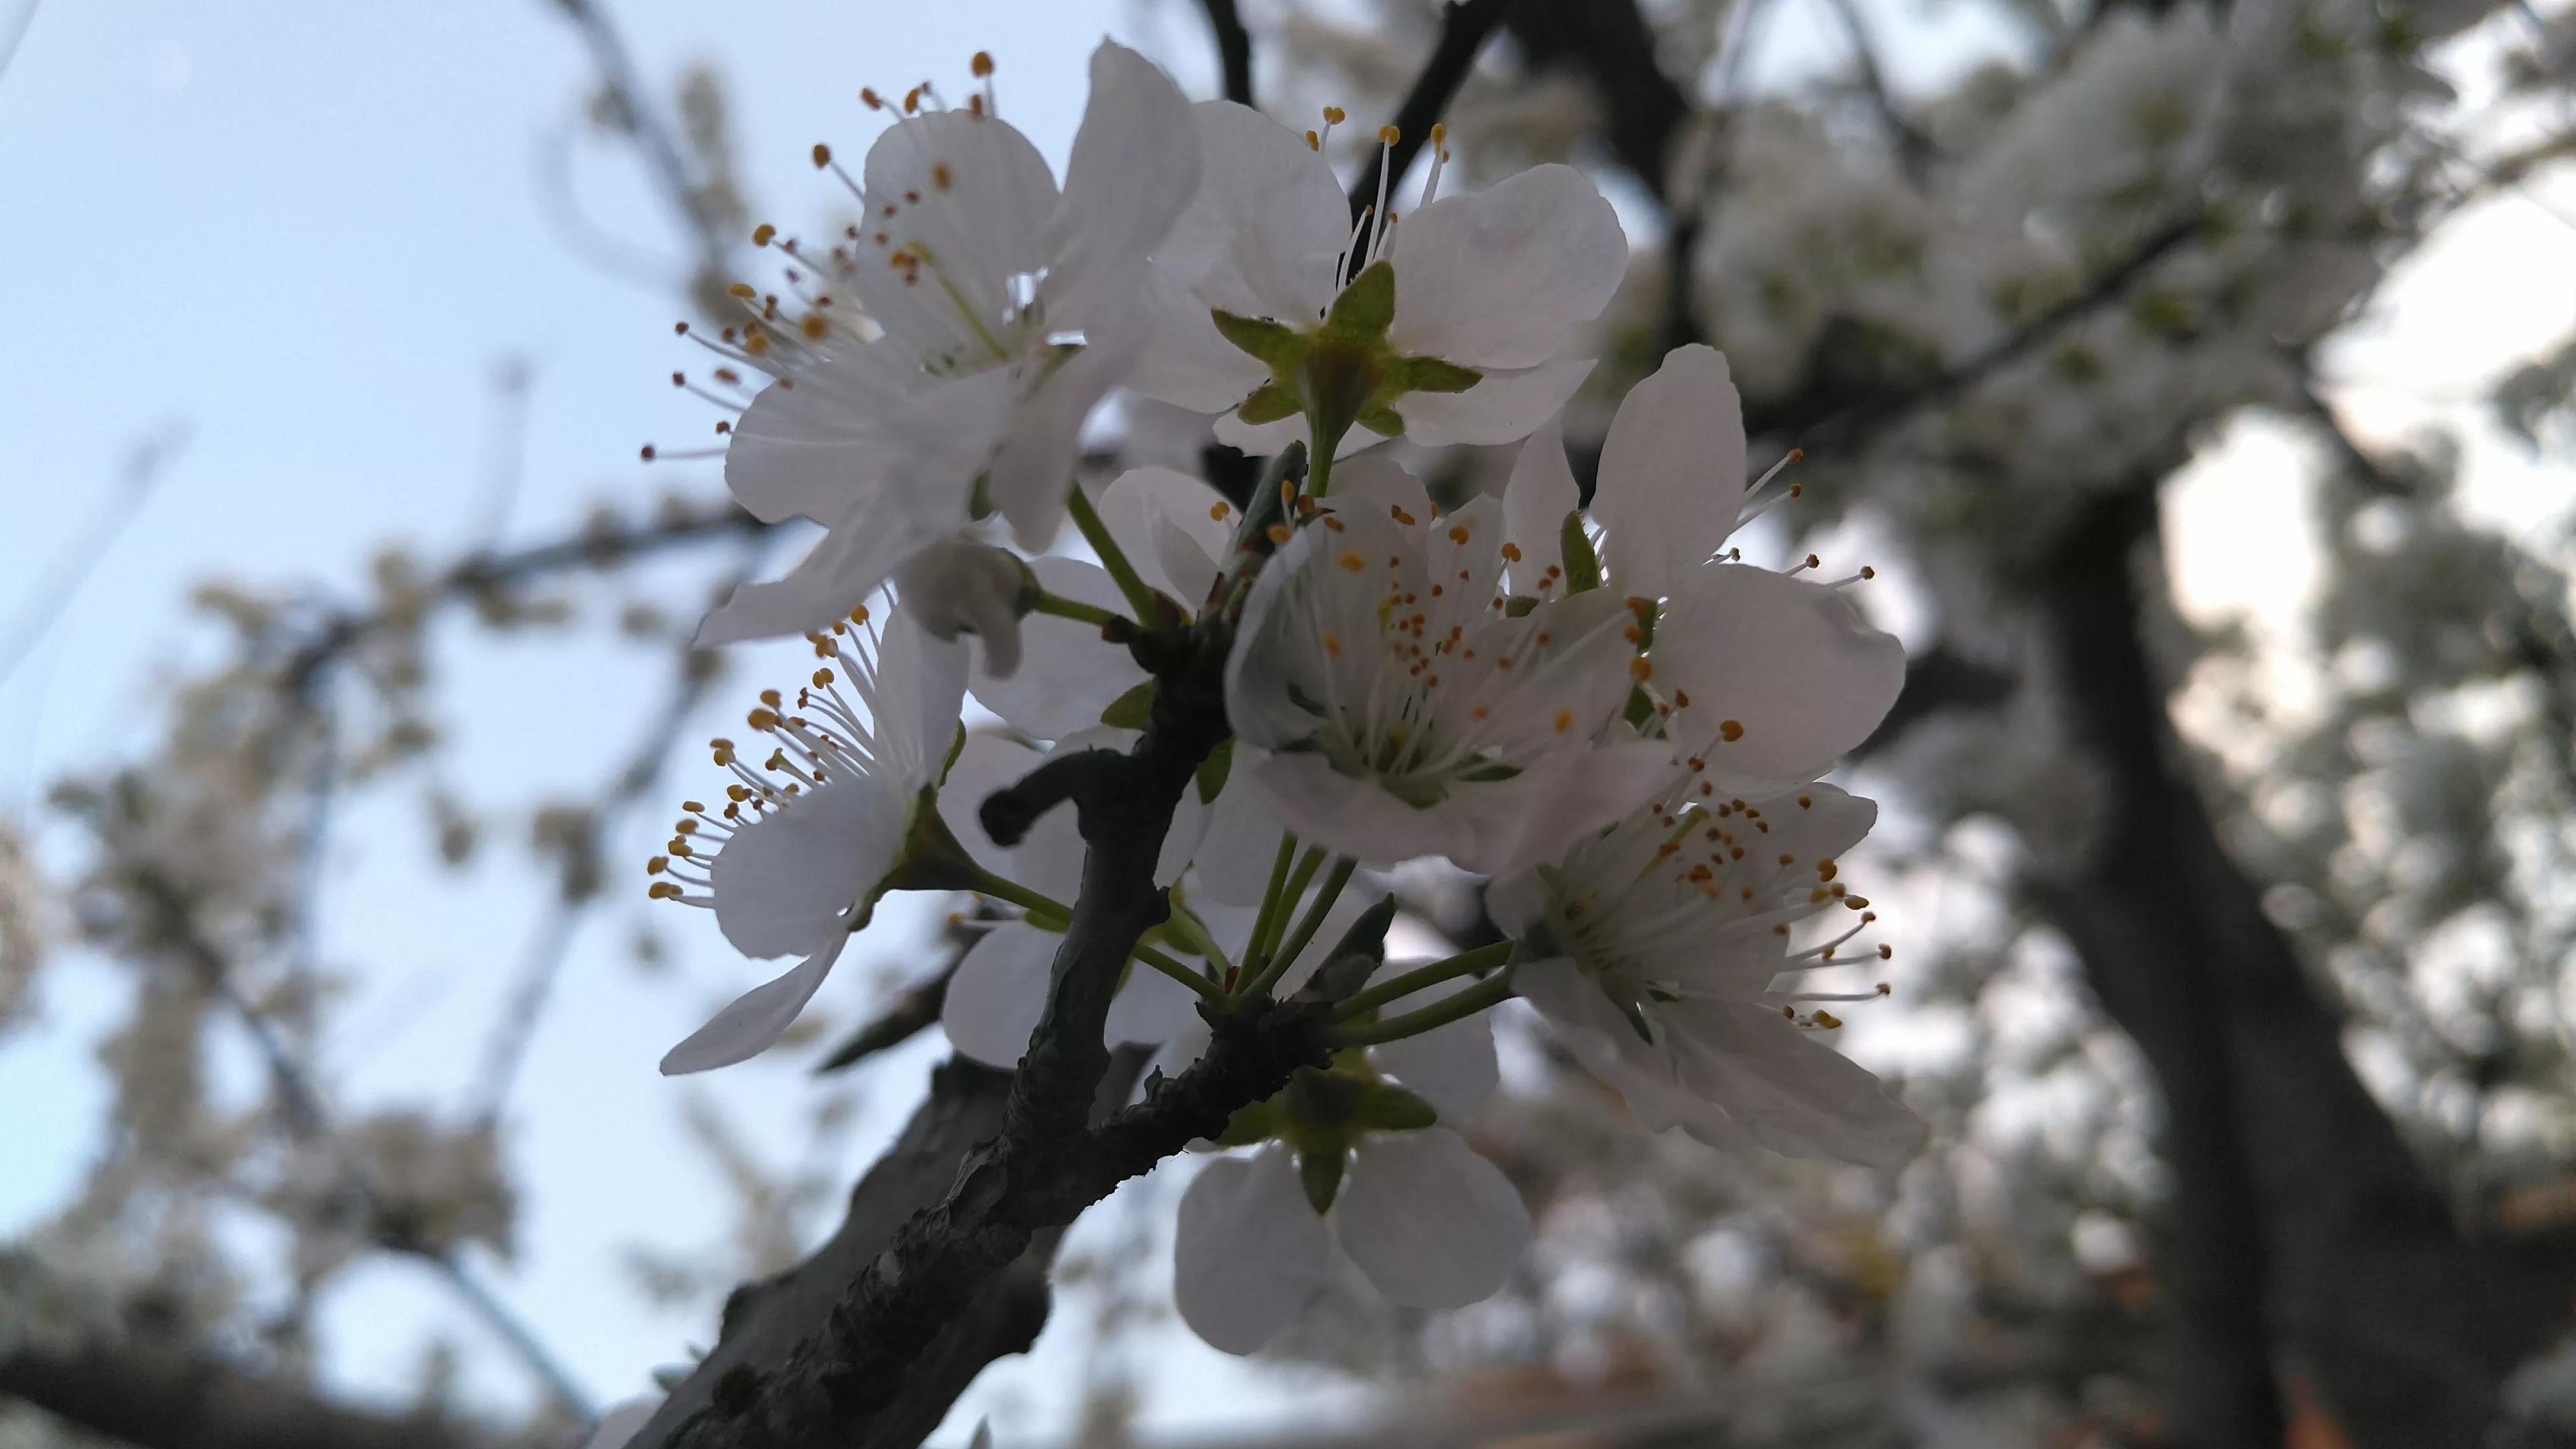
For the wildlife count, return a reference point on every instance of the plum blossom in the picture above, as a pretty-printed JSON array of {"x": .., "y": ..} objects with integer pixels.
[
  {"x": 795, "y": 859},
  {"x": 1389, "y": 705},
  {"x": 998, "y": 311},
  {"x": 1764, "y": 678},
  {"x": 1652, "y": 951},
  {"x": 1483, "y": 295},
  {"x": 1358, "y": 1160}
]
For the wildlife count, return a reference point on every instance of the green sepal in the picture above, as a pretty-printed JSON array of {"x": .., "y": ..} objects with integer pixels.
[
  {"x": 1382, "y": 420},
  {"x": 1429, "y": 374},
  {"x": 1269, "y": 403},
  {"x": 1258, "y": 1122},
  {"x": 1519, "y": 606},
  {"x": 1320, "y": 1173},
  {"x": 1393, "y": 1109},
  {"x": 1641, "y": 707},
  {"x": 1185, "y": 929},
  {"x": 1213, "y": 770},
  {"x": 1275, "y": 343},
  {"x": 1582, "y": 565},
  {"x": 1366, "y": 307},
  {"x": 1129, "y": 711}
]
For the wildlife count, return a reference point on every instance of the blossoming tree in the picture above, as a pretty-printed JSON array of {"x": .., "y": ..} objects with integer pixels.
[{"x": 1431, "y": 561}]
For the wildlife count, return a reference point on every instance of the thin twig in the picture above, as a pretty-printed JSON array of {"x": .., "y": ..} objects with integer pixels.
[
  {"x": 1464, "y": 25},
  {"x": 61, "y": 581},
  {"x": 1233, "y": 49},
  {"x": 661, "y": 151}
]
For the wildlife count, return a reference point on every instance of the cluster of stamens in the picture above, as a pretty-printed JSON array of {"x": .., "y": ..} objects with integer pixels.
[{"x": 824, "y": 738}]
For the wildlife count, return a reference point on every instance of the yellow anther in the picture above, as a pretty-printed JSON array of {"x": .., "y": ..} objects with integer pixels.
[
  {"x": 940, "y": 176},
  {"x": 868, "y": 97},
  {"x": 693, "y": 807},
  {"x": 1334, "y": 116},
  {"x": 1564, "y": 720},
  {"x": 1278, "y": 533},
  {"x": 982, "y": 64},
  {"x": 663, "y": 890},
  {"x": 859, "y": 615},
  {"x": 813, "y": 326},
  {"x": 1388, "y": 135},
  {"x": 1439, "y": 133},
  {"x": 761, "y": 234},
  {"x": 823, "y": 153},
  {"x": 1825, "y": 869},
  {"x": 1333, "y": 644},
  {"x": 1828, "y": 1020},
  {"x": 1458, "y": 533},
  {"x": 737, "y": 794},
  {"x": 1314, "y": 142},
  {"x": 770, "y": 697},
  {"x": 685, "y": 826},
  {"x": 657, "y": 865},
  {"x": 822, "y": 679},
  {"x": 1219, "y": 511},
  {"x": 680, "y": 848},
  {"x": 741, "y": 289},
  {"x": 1511, "y": 553},
  {"x": 1353, "y": 562},
  {"x": 1641, "y": 670},
  {"x": 1730, "y": 730},
  {"x": 762, "y": 720}
]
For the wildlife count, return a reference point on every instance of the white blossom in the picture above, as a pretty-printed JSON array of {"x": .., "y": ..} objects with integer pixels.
[
  {"x": 1390, "y": 706},
  {"x": 1427, "y": 1221},
  {"x": 1652, "y": 951},
  {"x": 796, "y": 857},
  {"x": 1497, "y": 283},
  {"x": 1001, "y": 311}
]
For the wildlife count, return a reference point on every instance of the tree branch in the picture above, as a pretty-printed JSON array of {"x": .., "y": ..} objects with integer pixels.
[
  {"x": 166, "y": 1398},
  {"x": 1233, "y": 49},
  {"x": 1464, "y": 25}
]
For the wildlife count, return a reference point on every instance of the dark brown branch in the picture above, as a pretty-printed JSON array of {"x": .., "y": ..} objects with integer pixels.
[
  {"x": 167, "y": 1398},
  {"x": 913, "y": 1011},
  {"x": 1464, "y": 25},
  {"x": 1609, "y": 43},
  {"x": 1233, "y": 49},
  {"x": 2299, "y": 1214}
]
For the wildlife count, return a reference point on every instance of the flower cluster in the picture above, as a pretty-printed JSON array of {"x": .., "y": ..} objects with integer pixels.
[{"x": 1595, "y": 703}]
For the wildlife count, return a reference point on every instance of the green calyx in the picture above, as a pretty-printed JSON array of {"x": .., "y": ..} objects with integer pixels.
[
  {"x": 1342, "y": 371},
  {"x": 1321, "y": 1115}
]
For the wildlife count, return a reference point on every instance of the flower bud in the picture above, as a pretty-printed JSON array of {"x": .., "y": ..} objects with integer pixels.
[{"x": 956, "y": 587}]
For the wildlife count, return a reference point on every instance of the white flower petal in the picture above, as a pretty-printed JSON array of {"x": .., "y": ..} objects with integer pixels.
[
  {"x": 808, "y": 448},
  {"x": 1261, "y": 236},
  {"x": 784, "y": 881},
  {"x": 1495, "y": 828},
  {"x": 1068, "y": 675},
  {"x": 1430, "y": 1222},
  {"x": 1176, "y": 529},
  {"x": 1380, "y": 484},
  {"x": 1264, "y": 440},
  {"x": 1452, "y": 1067},
  {"x": 1787, "y": 1089},
  {"x": 920, "y": 692},
  {"x": 1247, "y": 1251},
  {"x": 986, "y": 763},
  {"x": 1803, "y": 676},
  {"x": 1499, "y": 279},
  {"x": 1672, "y": 473},
  {"x": 1034, "y": 463},
  {"x": 1502, "y": 407},
  {"x": 1188, "y": 363},
  {"x": 1242, "y": 838},
  {"x": 970, "y": 197},
  {"x": 755, "y": 1019},
  {"x": 957, "y": 587},
  {"x": 1541, "y": 492},
  {"x": 863, "y": 549},
  {"x": 1150, "y": 1008},
  {"x": 1135, "y": 165},
  {"x": 999, "y": 993}
]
